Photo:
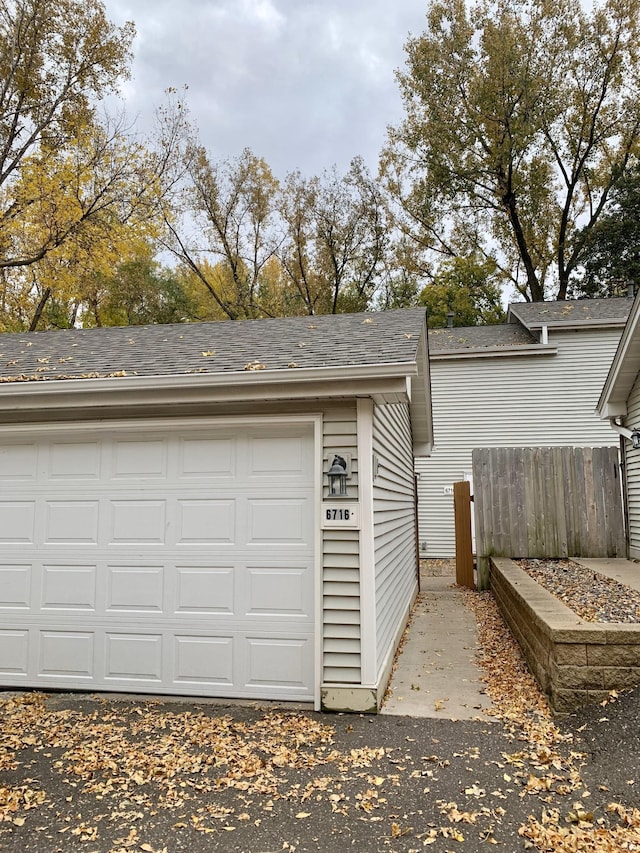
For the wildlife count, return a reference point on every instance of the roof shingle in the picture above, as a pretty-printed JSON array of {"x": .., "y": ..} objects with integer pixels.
[
  {"x": 215, "y": 347},
  {"x": 569, "y": 311},
  {"x": 479, "y": 337}
]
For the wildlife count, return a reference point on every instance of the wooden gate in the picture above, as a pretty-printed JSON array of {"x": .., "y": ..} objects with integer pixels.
[
  {"x": 462, "y": 521},
  {"x": 547, "y": 502}
]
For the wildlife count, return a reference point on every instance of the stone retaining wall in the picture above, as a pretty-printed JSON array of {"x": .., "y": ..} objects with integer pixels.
[{"x": 575, "y": 662}]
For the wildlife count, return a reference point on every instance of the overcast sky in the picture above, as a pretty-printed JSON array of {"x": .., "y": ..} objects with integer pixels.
[{"x": 304, "y": 84}]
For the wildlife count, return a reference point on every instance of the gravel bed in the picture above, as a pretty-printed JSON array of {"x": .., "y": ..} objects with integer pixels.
[
  {"x": 437, "y": 568},
  {"x": 594, "y": 597}
]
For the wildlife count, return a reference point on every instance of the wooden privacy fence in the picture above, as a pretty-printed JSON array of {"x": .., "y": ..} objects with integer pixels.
[{"x": 547, "y": 502}]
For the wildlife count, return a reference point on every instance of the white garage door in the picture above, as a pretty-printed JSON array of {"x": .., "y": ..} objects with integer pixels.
[{"x": 169, "y": 561}]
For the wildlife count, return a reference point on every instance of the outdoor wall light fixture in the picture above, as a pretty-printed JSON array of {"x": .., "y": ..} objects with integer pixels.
[
  {"x": 337, "y": 475},
  {"x": 635, "y": 439}
]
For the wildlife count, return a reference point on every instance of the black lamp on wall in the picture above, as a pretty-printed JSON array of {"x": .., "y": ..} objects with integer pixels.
[{"x": 337, "y": 475}]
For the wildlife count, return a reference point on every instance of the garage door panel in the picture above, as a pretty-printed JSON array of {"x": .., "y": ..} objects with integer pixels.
[
  {"x": 278, "y": 592},
  {"x": 278, "y": 663},
  {"x": 207, "y": 457},
  {"x": 18, "y": 462},
  {"x": 204, "y": 660},
  {"x": 135, "y": 588},
  {"x": 71, "y": 522},
  {"x": 175, "y": 564},
  {"x": 279, "y": 520},
  {"x": 69, "y": 587},
  {"x": 235, "y": 663},
  {"x": 14, "y": 652},
  {"x": 207, "y": 520},
  {"x": 278, "y": 457},
  {"x": 136, "y": 657},
  {"x": 74, "y": 461},
  {"x": 17, "y": 522},
  {"x": 137, "y": 459},
  {"x": 205, "y": 589},
  {"x": 137, "y": 521},
  {"x": 66, "y": 653},
  {"x": 15, "y": 586}
]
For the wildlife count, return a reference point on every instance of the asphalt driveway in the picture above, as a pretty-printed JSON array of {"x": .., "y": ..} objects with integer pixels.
[{"x": 110, "y": 776}]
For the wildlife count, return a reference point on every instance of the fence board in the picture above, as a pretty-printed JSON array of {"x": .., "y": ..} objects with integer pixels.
[
  {"x": 614, "y": 509},
  {"x": 548, "y": 502},
  {"x": 516, "y": 504},
  {"x": 561, "y": 499}
]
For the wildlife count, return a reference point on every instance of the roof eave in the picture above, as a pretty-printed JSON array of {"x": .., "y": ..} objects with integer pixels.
[
  {"x": 624, "y": 369},
  {"x": 420, "y": 409},
  {"x": 576, "y": 325},
  {"x": 389, "y": 382},
  {"x": 514, "y": 316},
  {"x": 11, "y": 386},
  {"x": 494, "y": 352}
]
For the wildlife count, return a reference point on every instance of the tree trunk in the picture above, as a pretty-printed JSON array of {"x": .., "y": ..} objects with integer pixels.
[
  {"x": 536, "y": 290},
  {"x": 36, "y": 317},
  {"x": 564, "y": 282}
]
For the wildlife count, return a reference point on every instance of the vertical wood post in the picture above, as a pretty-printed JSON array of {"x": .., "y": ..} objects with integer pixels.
[{"x": 464, "y": 551}]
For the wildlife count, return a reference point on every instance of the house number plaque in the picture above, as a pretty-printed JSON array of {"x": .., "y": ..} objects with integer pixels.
[{"x": 341, "y": 515}]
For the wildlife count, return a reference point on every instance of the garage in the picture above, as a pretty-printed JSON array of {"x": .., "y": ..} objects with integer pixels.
[
  {"x": 221, "y": 509},
  {"x": 160, "y": 560}
]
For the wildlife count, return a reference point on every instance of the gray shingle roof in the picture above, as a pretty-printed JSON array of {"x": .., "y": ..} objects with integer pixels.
[
  {"x": 479, "y": 337},
  {"x": 389, "y": 337},
  {"x": 597, "y": 311}
]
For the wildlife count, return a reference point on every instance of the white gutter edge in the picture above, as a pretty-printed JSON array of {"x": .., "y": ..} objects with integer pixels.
[
  {"x": 573, "y": 325},
  {"x": 493, "y": 352},
  {"x": 608, "y": 411},
  {"x": 293, "y": 375}
]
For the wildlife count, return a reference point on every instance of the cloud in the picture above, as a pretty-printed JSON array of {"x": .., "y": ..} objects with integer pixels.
[{"x": 305, "y": 85}]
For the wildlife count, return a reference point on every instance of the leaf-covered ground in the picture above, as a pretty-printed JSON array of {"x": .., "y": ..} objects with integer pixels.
[{"x": 111, "y": 776}]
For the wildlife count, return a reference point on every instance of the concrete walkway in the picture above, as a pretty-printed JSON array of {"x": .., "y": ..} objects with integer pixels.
[
  {"x": 436, "y": 673},
  {"x": 624, "y": 571}
]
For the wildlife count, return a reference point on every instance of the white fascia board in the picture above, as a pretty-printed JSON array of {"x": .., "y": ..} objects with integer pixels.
[
  {"x": 423, "y": 448},
  {"x": 612, "y": 410},
  {"x": 227, "y": 387},
  {"x": 624, "y": 367},
  {"x": 494, "y": 352},
  {"x": 575, "y": 325}
]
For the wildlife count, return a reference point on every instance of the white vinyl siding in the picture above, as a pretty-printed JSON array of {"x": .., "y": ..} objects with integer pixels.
[
  {"x": 509, "y": 401},
  {"x": 632, "y": 459},
  {"x": 394, "y": 524},
  {"x": 341, "y": 563}
]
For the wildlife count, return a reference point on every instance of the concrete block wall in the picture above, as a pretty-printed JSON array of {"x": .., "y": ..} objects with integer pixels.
[{"x": 574, "y": 662}]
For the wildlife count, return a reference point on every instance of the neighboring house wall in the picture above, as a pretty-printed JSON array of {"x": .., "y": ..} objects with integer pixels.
[
  {"x": 508, "y": 401},
  {"x": 341, "y": 563},
  {"x": 632, "y": 459},
  {"x": 394, "y": 525}
]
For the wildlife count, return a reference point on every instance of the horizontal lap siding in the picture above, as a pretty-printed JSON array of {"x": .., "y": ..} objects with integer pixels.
[
  {"x": 632, "y": 459},
  {"x": 509, "y": 402},
  {"x": 341, "y": 562},
  {"x": 394, "y": 523}
]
